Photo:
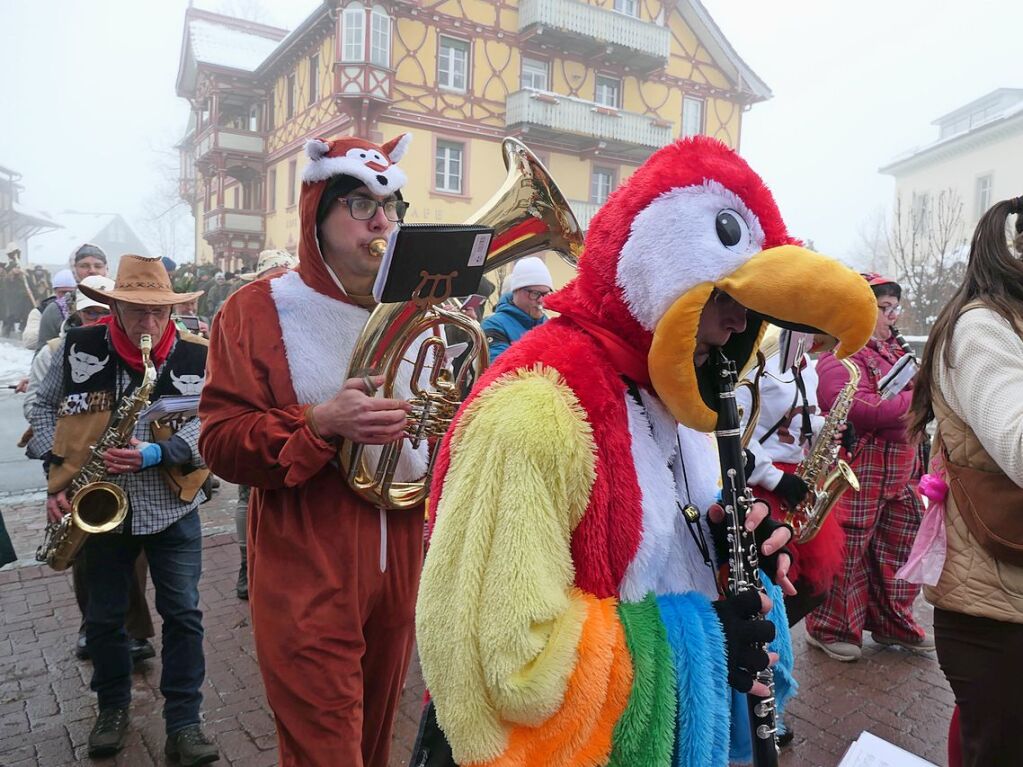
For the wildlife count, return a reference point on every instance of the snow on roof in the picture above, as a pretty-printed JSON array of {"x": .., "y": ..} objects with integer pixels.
[
  {"x": 1000, "y": 116},
  {"x": 39, "y": 217},
  {"x": 55, "y": 247},
  {"x": 226, "y": 46}
]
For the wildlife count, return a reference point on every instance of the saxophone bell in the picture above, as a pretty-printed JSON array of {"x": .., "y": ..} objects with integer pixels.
[{"x": 98, "y": 505}]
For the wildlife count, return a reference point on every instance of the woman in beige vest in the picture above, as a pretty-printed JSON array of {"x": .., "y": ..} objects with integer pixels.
[{"x": 971, "y": 382}]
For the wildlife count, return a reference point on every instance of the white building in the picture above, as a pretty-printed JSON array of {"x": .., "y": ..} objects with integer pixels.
[{"x": 978, "y": 154}]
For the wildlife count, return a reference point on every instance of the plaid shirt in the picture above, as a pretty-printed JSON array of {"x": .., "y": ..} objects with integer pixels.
[{"x": 153, "y": 506}]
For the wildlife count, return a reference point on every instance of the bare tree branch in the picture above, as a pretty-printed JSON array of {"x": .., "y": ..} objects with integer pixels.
[{"x": 925, "y": 248}]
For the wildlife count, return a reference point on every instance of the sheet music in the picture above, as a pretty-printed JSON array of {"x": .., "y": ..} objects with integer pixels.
[
  {"x": 897, "y": 378},
  {"x": 868, "y": 750},
  {"x": 184, "y": 406}
]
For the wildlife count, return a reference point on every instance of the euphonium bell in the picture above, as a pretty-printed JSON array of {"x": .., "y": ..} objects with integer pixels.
[{"x": 528, "y": 214}]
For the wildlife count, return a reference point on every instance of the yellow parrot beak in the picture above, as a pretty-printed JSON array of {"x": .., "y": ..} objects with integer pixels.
[{"x": 788, "y": 286}]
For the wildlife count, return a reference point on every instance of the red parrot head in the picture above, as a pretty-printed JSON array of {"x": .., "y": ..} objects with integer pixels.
[{"x": 692, "y": 220}]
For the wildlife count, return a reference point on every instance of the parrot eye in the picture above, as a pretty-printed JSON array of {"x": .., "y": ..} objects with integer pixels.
[{"x": 732, "y": 228}]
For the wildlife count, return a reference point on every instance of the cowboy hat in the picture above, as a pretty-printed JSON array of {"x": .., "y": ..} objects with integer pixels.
[
  {"x": 271, "y": 259},
  {"x": 141, "y": 281}
]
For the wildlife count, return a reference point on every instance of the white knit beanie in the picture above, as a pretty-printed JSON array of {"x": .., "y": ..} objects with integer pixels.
[
  {"x": 530, "y": 270},
  {"x": 65, "y": 278}
]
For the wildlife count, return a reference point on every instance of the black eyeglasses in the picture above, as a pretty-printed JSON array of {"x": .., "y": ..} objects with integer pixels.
[
  {"x": 538, "y": 295},
  {"x": 364, "y": 208}
]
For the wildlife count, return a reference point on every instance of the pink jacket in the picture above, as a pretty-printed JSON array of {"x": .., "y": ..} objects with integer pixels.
[{"x": 869, "y": 414}]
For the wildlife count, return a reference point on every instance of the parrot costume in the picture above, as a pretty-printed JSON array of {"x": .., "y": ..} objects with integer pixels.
[{"x": 565, "y": 610}]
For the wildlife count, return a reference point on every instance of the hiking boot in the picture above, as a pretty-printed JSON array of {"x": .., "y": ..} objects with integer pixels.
[
  {"x": 141, "y": 649},
  {"x": 846, "y": 652},
  {"x": 190, "y": 746},
  {"x": 918, "y": 646},
  {"x": 108, "y": 734},
  {"x": 241, "y": 588}
]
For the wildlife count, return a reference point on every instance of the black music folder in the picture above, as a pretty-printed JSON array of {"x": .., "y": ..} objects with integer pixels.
[{"x": 432, "y": 262}]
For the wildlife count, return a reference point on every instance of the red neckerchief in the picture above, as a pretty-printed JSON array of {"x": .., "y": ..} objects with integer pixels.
[
  {"x": 129, "y": 353},
  {"x": 626, "y": 360}
]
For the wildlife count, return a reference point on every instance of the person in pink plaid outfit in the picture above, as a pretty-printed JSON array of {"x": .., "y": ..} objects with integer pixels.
[{"x": 880, "y": 521}]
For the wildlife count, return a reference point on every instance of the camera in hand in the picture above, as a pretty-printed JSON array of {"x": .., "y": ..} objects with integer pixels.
[{"x": 189, "y": 321}]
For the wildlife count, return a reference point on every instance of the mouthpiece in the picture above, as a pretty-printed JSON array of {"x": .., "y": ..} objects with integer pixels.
[
  {"x": 378, "y": 247},
  {"x": 145, "y": 344}
]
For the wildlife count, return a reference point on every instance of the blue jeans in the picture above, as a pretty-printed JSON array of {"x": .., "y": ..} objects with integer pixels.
[{"x": 175, "y": 563}]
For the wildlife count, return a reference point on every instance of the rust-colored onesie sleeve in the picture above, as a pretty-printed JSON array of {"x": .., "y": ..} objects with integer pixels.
[{"x": 253, "y": 430}]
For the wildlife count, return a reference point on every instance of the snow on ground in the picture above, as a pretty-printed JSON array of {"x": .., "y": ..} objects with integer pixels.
[{"x": 15, "y": 360}]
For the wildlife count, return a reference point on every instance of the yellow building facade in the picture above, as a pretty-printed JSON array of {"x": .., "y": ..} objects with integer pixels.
[{"x": 593, "y": 88}]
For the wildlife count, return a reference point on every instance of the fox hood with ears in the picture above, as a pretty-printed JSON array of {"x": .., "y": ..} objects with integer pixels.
[{"x": 376, "y": 166}]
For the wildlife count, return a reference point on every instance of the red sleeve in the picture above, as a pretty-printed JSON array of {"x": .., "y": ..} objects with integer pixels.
[
  {"x": 869, "y": 413},
  {"x": 253, "y": 430}
]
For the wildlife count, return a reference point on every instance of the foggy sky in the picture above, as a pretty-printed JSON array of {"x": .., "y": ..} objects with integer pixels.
[{"x": 88, "y": 98}]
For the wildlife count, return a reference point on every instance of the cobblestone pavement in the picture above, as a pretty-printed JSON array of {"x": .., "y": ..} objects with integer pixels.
[{"x": 46, "y": 709}]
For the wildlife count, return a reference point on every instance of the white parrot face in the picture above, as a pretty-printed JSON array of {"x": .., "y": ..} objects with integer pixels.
[
  {"x": 85, "y": 366},
  {"x": 686, "y": 236}
]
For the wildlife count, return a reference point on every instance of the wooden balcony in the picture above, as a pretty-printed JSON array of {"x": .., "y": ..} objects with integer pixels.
[
  {"x": 593, "y": 32},
  {"x": 584, "y": 125},
  {"x": 584, "y": 212},
  {"x": 233, "y": 222},
  {"x": 235, "y": 146}
]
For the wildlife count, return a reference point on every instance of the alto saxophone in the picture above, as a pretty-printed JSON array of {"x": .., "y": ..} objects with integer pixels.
[
  {"x": 827, "y": 476},
  {"x": 98, "y": 505}
]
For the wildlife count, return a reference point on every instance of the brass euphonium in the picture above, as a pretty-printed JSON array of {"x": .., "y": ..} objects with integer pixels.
[
  {"x": 528, "y": 214},
  {"x": 98, "y": 505}
]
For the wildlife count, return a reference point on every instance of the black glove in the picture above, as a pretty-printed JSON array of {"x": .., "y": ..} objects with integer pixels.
[
  {"x": 769, "y": 564},
  {"x": 791, "y": 489},
  {"x": 849, "y": 437},
  {"x": 745, "y": 629}
]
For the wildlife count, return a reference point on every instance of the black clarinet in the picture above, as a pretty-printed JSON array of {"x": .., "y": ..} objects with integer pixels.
[
  {"x": 744, "y": 566},
  {"x": 901, "y": 341}
]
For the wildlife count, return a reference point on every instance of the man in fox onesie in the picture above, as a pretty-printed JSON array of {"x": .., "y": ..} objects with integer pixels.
[
  {"x": 332, "y": 579},
  {"x": 568, "y": 611}
]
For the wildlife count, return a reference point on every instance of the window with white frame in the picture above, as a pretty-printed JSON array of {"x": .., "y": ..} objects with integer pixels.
[
  {"x": 353, "y": 33},
  {"x": 314, "y": 78},
  {"x": 601, "y": 183},
  {"x": 534, "y": 74},
  {"x": 453, "y": 64},
  {"x": 984, "y": 184},
  {"x": 380, "y": 37},
  {"x": 448, "y": 167},
  {"x": 608, "y": 92},
  {"x": 692, "y": 116},
  {"x": 628, "y": 7}
]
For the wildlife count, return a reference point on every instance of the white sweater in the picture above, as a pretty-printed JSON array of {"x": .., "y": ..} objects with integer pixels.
[{"x": 984, "y": 386}]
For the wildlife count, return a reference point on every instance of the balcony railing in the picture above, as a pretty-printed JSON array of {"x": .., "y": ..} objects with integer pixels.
[
  {"x": 361, "y": 80},
  {"x": 231, "y": 140},
  {"x": 233, "y": 221},
  {"x": 581, "y": 27},
  {"x": 584, "y": 212},
  {"x": 563, "y": 117}
]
